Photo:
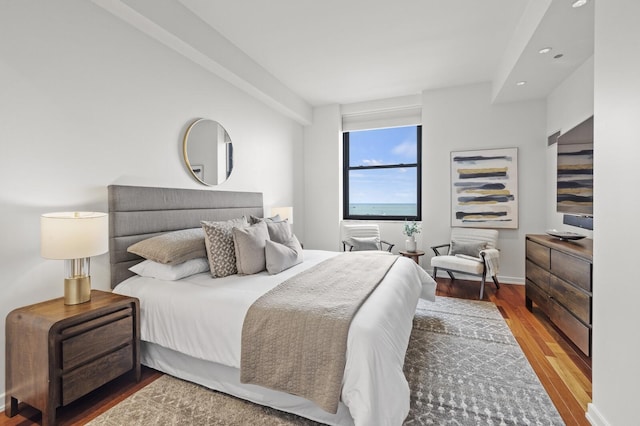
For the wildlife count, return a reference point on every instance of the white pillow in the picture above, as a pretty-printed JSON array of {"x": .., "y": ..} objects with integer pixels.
[{"x": 163, "y": 271}]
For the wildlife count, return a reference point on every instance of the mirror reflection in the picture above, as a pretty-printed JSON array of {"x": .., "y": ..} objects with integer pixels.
[{"x": 208, "y": 151}]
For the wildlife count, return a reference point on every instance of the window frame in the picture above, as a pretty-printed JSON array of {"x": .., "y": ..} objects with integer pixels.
[{"x": 346, "y": 168}]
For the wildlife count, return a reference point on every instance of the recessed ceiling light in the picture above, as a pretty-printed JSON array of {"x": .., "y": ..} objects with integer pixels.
[
  {"x": 544, "y": 50},
  {"x": 521, "y": 83},
  {"x": 579, "y": 3}
]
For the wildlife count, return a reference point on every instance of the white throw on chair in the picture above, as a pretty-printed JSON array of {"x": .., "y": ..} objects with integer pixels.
[
  {"x": 360, "y": 237},
  {"x": 471, "y": 251}
]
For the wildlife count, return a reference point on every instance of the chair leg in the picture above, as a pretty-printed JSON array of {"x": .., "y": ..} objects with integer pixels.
[
  {"x": 484, "y": 277},
  {"x": 495, "y": 281},
  {"x": 451, "y": 275},
  {"x": 435, "y": 273}
]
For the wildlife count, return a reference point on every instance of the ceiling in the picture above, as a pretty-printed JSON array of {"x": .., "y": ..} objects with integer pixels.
[{"x": 347, "y": 51}]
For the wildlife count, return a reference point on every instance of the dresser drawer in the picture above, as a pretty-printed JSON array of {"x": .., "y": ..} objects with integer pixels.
[
  {"x": 575, "y": 300},
  {"x": 538, "y": 253},
  {"x": 90, "y": 376},
  {"x": 539, "y": 297},
  {"x": 575, "y": 330},
  {"x": 538, "y": 275},
  {"x": 572, "y": 269},
  {"x": 86, "y": 346}
]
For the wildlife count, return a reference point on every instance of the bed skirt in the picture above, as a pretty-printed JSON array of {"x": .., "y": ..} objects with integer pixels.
[{"x": 227, "y": 380}]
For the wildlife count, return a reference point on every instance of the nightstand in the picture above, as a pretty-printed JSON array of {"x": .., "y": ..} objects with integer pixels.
[
  {"x": 56, "y": 353},
  {"x": 415, "y": 255}
]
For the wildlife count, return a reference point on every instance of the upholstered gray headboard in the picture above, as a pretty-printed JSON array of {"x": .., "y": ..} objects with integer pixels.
[{"x": 139, "y": 212}]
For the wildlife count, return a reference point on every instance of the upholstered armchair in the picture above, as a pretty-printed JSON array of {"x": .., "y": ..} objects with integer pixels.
[
  {"x": 470, "y": 251},
  {"x": 360, "y": 237}
]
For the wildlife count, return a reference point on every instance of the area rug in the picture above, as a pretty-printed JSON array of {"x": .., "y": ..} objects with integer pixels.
[{"x": 463, "y": 365}]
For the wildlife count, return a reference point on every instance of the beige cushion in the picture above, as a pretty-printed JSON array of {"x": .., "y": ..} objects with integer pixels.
[
  {"x": 172, "y": 247},
  {"x": 220, "y": 248},
  {"x": 457, "y": 263},
  {"x": 282, "y": 256},
  {"x": 249, "y": 246}
]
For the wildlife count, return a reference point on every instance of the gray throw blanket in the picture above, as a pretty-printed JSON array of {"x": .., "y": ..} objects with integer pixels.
[{"x": 294, "y": 338}]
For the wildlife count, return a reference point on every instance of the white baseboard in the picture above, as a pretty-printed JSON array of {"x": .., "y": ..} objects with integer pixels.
[
  {"x": 2, "y": 402},
  {"x": 595, "y": 417}
]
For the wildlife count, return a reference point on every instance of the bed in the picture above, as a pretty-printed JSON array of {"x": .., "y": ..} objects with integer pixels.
[{"x": 191, "y": 328}]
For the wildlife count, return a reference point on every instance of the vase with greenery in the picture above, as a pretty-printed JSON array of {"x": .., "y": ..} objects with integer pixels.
[{"x": 410, "y": 230}]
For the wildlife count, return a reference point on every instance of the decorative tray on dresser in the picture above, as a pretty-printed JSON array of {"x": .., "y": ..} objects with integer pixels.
[{"x": 559, "y": 281}]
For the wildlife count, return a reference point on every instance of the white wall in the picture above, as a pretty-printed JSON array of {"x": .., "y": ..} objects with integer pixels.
[
  {"x": 463, "y": 118},
  {"x": 453, "y": 119},
  {"x": 88, "y": 101},
  {"x": 567, "y": 106},
  {"x": 323, "y": 179},
  {"x": 616, "y": 341}
]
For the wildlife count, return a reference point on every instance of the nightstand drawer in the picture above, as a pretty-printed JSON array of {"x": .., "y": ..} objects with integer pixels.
[
  {"x": 83, "y": 380},
  {"x": 86, "y": 346}
]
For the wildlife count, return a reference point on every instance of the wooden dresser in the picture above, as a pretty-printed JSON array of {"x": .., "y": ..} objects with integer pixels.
[
  {"x": 57, "y": 353},
  {"x": 559, "y": 281}
]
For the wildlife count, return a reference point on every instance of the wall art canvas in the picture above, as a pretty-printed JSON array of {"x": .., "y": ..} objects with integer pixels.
[
  {"x": 484, "y": 188},
  {"x": 575, "y": 178}
]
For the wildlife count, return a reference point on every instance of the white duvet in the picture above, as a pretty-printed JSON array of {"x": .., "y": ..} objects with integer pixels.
[{"x": 202, "y": 317}]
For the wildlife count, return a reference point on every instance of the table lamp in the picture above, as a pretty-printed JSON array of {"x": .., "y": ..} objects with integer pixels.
[
  {"x": 284, "y": 212},
  {"x": 74, "y": 237}
]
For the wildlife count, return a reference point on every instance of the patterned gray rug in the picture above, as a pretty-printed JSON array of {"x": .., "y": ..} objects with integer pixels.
[{"x": 463, "y": 365}]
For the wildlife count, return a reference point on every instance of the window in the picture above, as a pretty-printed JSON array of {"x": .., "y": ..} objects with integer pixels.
[{"x": 382, "y": 173}]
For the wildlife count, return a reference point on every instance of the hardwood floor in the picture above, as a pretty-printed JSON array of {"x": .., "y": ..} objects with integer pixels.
[{"x": 564, "y": 372}]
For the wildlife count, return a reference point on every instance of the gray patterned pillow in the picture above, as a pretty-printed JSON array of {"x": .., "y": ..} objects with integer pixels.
[{"x": 219, "y": 242}]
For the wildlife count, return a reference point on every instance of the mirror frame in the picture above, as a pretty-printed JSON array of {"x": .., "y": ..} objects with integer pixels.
[{"x": 185, "y": 143}]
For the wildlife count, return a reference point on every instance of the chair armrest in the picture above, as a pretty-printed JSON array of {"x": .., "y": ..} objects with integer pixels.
[
  {"x": 436, "y": 251},
  {"x": 390, "y": 246}
]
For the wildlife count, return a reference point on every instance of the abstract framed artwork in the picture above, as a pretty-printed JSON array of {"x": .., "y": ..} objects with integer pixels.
[
  {"x": 484, "y": 188},
  {"x": 575, "y": 179}
]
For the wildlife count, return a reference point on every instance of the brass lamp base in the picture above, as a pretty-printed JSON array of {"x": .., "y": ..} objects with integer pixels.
[{"x": 77, "y": 290}]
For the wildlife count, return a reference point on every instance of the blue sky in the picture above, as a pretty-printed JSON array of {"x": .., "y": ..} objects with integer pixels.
[{"x": 380, "y": 147}]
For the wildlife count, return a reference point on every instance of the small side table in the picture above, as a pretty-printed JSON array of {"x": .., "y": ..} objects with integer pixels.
[
  {"x": 57, "y": 353},
  {"x": 415, "y": 255}
]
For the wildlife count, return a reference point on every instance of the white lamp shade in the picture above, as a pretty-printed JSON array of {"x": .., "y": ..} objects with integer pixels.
[
  {"x": 284, "y": 212},
  {"x": 73, "y": 235}
]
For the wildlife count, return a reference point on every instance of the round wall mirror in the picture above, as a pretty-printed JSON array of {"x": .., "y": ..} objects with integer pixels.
[{"x": 208, "y": 151}]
